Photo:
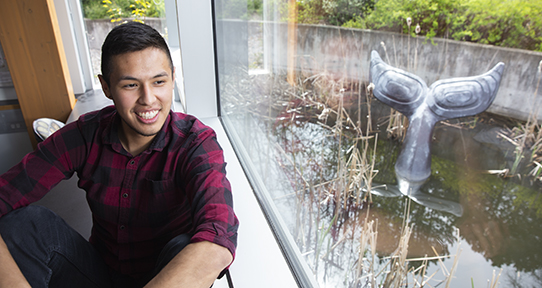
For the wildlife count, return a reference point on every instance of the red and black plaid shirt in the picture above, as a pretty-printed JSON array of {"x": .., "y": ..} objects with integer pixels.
[{"x": 178, "y": 185}]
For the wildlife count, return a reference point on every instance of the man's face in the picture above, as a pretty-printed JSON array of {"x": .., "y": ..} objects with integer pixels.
[{"x": 141, "y": 85}]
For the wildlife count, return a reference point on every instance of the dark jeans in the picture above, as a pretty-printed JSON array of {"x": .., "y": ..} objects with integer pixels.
[{"x": 52, "y": 254}]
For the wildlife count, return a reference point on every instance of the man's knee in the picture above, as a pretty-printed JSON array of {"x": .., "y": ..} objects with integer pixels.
[
  {"x": 29, "y": 224},
  {"x": 47, "y": 249},
  {"x": 26, "y": 217}
]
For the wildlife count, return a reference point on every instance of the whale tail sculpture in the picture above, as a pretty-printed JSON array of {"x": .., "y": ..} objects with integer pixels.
[{"x": 425, "y": 106}]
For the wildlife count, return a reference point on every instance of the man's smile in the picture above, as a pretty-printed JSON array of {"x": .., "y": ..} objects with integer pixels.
[{"x": 148, "y": 115}]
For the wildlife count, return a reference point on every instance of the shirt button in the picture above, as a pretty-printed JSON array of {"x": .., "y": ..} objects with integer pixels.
[
  {"x": 125, "y": 195},
  {"x": 122, "y": 227},
  {"x": 132, "y": 162}
]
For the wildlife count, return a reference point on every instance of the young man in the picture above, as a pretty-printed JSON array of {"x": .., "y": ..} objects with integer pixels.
[{"x": 155, "y": 181}]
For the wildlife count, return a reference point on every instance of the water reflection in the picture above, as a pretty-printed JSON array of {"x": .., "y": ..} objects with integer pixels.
[{"x": 419, "y": 197}]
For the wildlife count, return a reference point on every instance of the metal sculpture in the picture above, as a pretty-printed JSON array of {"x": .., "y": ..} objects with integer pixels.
[{"x": 424, "y": 107}]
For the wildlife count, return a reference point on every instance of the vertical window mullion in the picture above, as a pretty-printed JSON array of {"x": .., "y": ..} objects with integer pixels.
[{"x": 198, "y": 57}]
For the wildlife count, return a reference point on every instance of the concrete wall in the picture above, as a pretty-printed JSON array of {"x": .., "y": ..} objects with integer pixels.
[{"x": 344, "y": 52}]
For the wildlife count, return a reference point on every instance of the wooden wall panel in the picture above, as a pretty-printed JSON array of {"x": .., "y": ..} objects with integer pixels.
[{"x": 32, "y": 44}]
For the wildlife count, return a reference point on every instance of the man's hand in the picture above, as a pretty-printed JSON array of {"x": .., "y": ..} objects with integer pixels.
[
  {"x": 10, "y": 274},
  {"x": 196, "y": 266}
]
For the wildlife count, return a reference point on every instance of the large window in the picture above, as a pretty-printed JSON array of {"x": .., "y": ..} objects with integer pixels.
[{"x": 320, "y": 150}]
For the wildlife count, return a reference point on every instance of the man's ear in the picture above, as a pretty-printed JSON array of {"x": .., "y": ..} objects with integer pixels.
[{"x": 105, "y": 87}]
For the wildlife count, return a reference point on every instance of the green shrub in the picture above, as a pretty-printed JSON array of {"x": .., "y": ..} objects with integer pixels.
[
  {"x": 434, "y": 16},
  {"x": 342, "y": 11},
  {"x": 117, "y": 9},
  {"x": 311, "y": 11},
  {"x": 332, "y": 12},
  {"x": 514, "y": 24},
  {"x": 356, "y": 22},
  {"x": 255, "y": 7},
  {"x": 93, "y": 9}
]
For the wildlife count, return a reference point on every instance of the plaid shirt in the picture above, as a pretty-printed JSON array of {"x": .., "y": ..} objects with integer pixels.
[{"x": 178, "y": 185}]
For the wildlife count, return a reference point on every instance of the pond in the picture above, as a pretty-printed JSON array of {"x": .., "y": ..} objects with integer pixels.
[{"x": 326, "y": 156}]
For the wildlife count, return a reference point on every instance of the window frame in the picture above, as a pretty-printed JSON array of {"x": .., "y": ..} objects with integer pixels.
[
  {"x": 72, "y": 30},
  {"x": 200, "y": 44},
  {"x": 197, "y": 51}
]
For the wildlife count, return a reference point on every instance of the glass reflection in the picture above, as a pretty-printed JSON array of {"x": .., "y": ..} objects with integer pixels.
[{"x": 325, "y": 151}]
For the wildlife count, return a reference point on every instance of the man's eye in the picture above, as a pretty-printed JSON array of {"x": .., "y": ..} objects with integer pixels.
[
  {"x": 160, "y": 82},
  {"x": 131, "y": 85}
]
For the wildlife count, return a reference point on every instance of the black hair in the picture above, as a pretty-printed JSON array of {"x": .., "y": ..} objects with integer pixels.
[{"x": 130, "y": 37}]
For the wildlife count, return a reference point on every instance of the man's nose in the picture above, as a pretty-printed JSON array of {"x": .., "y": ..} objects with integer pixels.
[{"x": 146, "y": 96}]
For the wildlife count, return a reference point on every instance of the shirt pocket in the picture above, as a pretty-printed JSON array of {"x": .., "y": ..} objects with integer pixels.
[
  {"x": 160, "y": 187},
  {"x": 165, "y": 199}
]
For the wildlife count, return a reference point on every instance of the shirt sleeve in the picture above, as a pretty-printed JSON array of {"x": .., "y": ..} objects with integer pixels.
[
  {"x": 39, "y": 171},
  {"x": 212, "y": 203}
]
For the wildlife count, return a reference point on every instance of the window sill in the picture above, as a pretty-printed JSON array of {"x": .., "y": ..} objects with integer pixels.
[{"x": 259, "y": 261}]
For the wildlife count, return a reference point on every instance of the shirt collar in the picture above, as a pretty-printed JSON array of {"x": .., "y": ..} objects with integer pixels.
[{"x": 111, "y": 135}]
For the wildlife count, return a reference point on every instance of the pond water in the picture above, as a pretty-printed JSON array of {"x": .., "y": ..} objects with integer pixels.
[{"x": 487, "y": 224}]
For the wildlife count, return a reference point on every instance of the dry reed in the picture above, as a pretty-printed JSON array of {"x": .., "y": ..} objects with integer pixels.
[
  {"x": 396, "y": 271},
  {"x": 527, "y": 137}
]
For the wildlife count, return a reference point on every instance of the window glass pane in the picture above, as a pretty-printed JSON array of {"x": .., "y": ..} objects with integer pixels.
[
  {"x": 360, "y": 194},
  {"x": 101, "y": 16}
]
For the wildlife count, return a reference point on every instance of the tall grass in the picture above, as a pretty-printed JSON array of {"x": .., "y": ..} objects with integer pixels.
[
  {"x": 395, "y": 271},
  {"x": 353, "y": 182},
  {"x": 527, "y": 137}
]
